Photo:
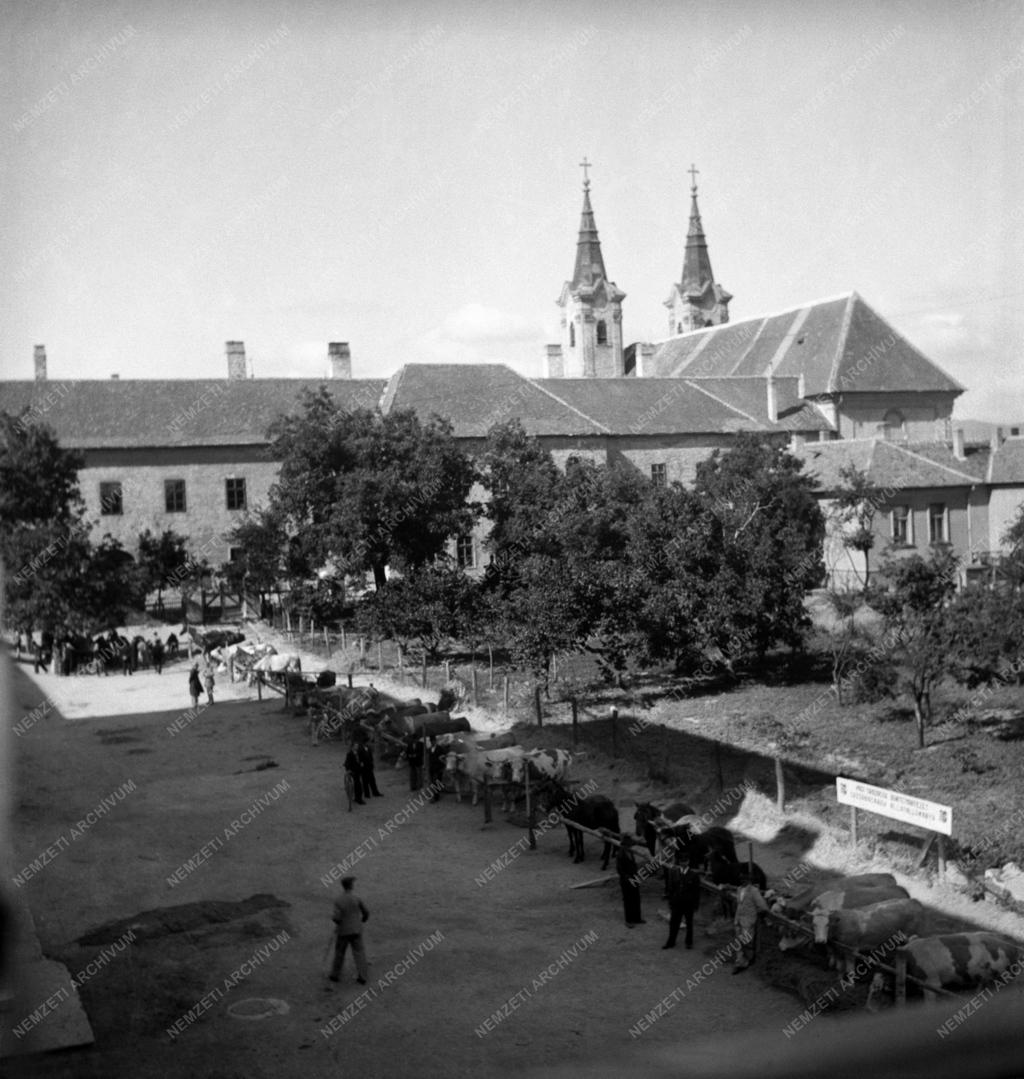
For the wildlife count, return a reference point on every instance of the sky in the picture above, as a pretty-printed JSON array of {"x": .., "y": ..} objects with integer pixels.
[{"x": 405, "y": 176}]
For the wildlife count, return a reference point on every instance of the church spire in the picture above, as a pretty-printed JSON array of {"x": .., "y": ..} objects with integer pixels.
[
  {"x": 697, "y": 300},
  {"x": 696, "y": 261},
  {"x": 591, "y": 309},
  {"x": 589, "y": 262}
]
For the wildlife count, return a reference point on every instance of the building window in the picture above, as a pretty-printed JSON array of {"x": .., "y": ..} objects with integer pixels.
[
  {"x": 235, "y": 490},
  {"x": 465, "y": 552},
  {"x": 658, "y": 475},
  {"x": 174, "y": 496},
  {"x": 902, "y": 528},
  {"x": 938, "y": 530},
  {"x": 602, "y": 332},
  {"x": 679, "y": 327},
  {"x": 572, "y": 335},
  {"x": 111, "y": 503},
  {"x": 894, "y": 426}
]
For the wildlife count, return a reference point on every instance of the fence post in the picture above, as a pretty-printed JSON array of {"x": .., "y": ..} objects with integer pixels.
[
  {"x": 941, "y": 852},
  {"x": 344, "y": 643},
  {"x": 536, "y": 705},
  {"x": 349, "y": 679},
  {"x": 476, "y": 697},
  {"x": 529, "y": 806},
  {"x": 613, "y": 715},
  {"x": 575, "y": 722},
  {"x": 780, "y": 786},
  {"x": 327, "y": 643},
  {"x": 259, "y": 685},
  {"x": 490, "y": 666},
  {"x": 504, "y": 692},
  {"x": 362, "y": 651}
]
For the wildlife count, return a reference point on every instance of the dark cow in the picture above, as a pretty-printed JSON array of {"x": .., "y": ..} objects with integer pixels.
[
  {"x": 890, "y": 921},
  {"x": 647, "y": 813},
  {"x": 595, "y": 811},
  {"x": 724, "y": 871},
  {"x": 958, "y": 961},
  {"x": 698, "y": 842}
]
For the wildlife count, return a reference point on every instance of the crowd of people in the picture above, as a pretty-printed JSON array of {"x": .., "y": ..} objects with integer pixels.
[{"x": 65, "y": 653}]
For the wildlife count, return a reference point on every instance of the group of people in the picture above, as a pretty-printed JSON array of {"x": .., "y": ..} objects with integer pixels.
[
  {"x": 66, "y": 653},
  {"x": 416, "y": 745},
  {"x": 683, "y": 885},
  {"x": 359, "y": 765},
  {"x": 196, "y": 684}
]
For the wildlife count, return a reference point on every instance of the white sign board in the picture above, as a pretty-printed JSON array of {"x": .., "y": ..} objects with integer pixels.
[{"x": 930, "y": 815}]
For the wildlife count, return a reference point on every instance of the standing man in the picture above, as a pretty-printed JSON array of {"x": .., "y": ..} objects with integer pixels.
[
  {"x": 683, "y": 901},
  {"x": 364, "y": 756},
  {"x": 349, "y": 914},
  {"x": 354, "y": 769},
  {"x": 208, "y": 680},
  {"x": 194, "y": 686},
  {"x": 625, "y": 864},
  {"x": 750, "y": 905},
  {"x": 158, "y": 654}
]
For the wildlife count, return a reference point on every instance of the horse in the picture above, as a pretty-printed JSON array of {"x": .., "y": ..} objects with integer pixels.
[
  {"x": 647, "y": 813},
  {"x": 594, "y": 811}
]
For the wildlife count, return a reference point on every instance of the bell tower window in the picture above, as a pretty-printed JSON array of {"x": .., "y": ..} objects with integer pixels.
[
  {"x": 572, "y": 335},
  {"x": 602, "y": 332}
]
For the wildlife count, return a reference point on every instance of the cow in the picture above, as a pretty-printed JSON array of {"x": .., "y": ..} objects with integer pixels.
[
  {"x": 724, "y": 871},
  {"x": 847, "y": 893},
  {"x": 864, "y": 928},
  {"x": 697, "y": 840},
  {"x": 542, "y": 765},
  {"x": 956, "y": 961},
  {"x": 479, "y": 767},
  {"x": 595, "y": 811},
  {"x": 275, "y": 665},
  {"x": 647, "y": 813}
]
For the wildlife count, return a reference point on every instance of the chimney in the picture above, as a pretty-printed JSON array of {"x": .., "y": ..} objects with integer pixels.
[
  {"x": 40, "y": 360},
  {"x": 115, "y": 376},
  {"x": 773, "y": 400},
  {"x": 236, "y": 359},
  {"x": 556, "y": 368},
  {"x": 339, "y": 360},
  {"x": 644, "y": 359},
  {"x": 997, "y": 438},
  {"x": 958, "y": 444}
]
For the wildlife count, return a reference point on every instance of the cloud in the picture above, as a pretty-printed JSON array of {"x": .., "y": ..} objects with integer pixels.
[{"x": 474, "y": 333}]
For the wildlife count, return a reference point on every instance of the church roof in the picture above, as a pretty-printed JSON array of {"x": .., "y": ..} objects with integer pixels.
[
  {"x": 697, "y": 274},
  {"x": 133, "y": 413},
  {"x": 589, "y": 260},
  {"x": 889, "y": 464},
  {"x": 839, "y": 345}
]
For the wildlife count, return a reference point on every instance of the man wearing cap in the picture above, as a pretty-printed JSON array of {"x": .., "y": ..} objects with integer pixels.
[{"x": 349, "y": 914}]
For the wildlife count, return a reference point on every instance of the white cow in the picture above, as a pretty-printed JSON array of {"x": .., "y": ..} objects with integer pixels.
[
  {"x": 479, "y": 767},
  {"x": 543, "y": 765},
  {"x": 275, "y": 665}
]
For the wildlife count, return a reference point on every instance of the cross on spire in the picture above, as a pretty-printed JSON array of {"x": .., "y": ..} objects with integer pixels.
[
  {"x": 584, "y": 165},
  {"x": 694, "y": 172}
]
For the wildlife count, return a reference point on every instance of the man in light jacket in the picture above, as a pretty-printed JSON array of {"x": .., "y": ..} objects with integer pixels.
[{"x": 349, "y": 914}]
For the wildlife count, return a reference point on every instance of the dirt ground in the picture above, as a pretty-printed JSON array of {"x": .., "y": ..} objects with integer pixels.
[{"x": 457, "y": 938}]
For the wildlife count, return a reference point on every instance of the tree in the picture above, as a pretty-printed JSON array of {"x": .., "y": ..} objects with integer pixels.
[
  {"x": 912, "y": 595},
  {"x": 361, "y": 491},
  {"x": 771, "y": 534},
  {"x": 261, "y": 540},
  {"x": 856, "y": 506},
  {"x": 162, "y": 561},
  {"x": 44, "y": 540}
]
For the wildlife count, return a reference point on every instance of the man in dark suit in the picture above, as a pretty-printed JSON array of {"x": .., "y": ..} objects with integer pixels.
[
  {"x": 354, "y": 769},
  {"x": 683, "y": 901},
  {"x": 364, "y": 756}
]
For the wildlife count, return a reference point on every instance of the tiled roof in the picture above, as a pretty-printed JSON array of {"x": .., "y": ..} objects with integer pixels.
[
  {"x": 1007, "y": 464},
  {"x": 887, "y": 464},
  {"x": 681, "y": 406},
  {"x": 164, "y": 412},
  {"x": 839, "y": 345},
  {"x": 477, "y": 396}
]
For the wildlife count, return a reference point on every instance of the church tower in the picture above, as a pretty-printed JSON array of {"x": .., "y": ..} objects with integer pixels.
[
  {"x": 696, "y": 301},
  {"x": 591, "y": 310}
]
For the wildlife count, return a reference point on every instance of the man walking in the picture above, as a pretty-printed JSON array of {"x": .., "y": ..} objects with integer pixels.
[
  {"x": 683, "y": 901},
  {"x": 349, "y": 914},
  {"x": 750, "y": 905}
]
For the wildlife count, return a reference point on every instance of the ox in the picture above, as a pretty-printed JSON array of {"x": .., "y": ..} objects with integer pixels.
[
  {"x": 647, "y": 813},
  {"x": 541, "y": 765},
  {"x": 847, "y": 893},
  {"x": 698, "y": 841},
  {"x": 957, "y": 961},
  {"x": 479, "y": 767},
  {"x": 276, "y": 665},
  {"x": 595, "y": 811},
  {"x": 866, "y": 927}
]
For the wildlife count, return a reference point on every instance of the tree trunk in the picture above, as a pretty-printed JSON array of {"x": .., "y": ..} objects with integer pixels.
[
  {"x": 919, "y": 718},
  {"x": 379, "y": 576}
]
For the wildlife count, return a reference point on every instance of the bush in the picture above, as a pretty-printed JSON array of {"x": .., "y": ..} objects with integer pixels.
[{"x": 876, "y": 681}]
